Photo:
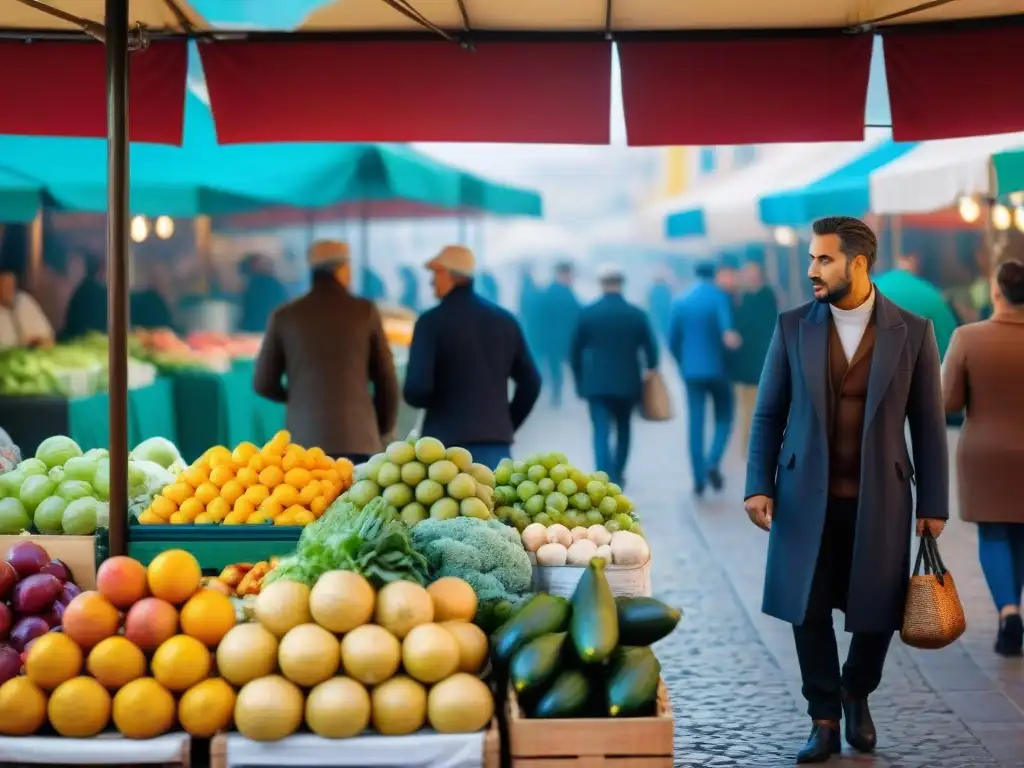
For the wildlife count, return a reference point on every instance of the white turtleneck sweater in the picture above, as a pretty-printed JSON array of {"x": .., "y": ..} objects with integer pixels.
[{"x": 851, "y": 324}]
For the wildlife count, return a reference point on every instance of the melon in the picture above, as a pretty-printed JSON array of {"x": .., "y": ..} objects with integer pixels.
[
  {"x": 461, "y": 704},
  {"x": 283, "y": 605},
  {"x": 430, "y": 653},
  {"x": 245, "y": 653},
  {"x": 308, "y": 655},
  {"x": 338, "y": 708},
  {"x": 402, "y": 605},
  {"x": 370, "y": 654},
  {"x": 341, "y": 601},
  {"x": 269, "y": 709}
]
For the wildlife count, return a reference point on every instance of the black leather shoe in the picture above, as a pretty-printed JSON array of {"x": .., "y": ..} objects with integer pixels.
[
  {"x": 860, "y": 728},
  {"x": 698, "y": 490},
  {"x": 1010, "y": 640},
  {"x": 716, "y": 479},
  {"x": 821, "y": 744}
]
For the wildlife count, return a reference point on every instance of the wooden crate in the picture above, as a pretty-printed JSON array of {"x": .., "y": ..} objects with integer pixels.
[
  {"x": 79, "y": 552},
  {"x": 628, "y": 742},
  {"x": 491, "y": 757}
]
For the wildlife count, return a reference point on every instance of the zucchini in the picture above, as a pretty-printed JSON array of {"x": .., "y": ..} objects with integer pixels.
[
  {"x": 594, "y": 626},
  {"x": 644, "y": 620},
  {"x": 542, "y": 615},
  {"x": 567, "y": 697},
  {"x": 632, "y": 683},
  {"x": 537, "y": 662}
]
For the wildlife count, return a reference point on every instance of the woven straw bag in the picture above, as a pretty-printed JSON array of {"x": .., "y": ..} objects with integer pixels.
[{"x": 933, "y": 617}]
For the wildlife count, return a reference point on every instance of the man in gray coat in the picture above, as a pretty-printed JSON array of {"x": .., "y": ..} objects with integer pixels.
[
  {"x": 829, "y": 475},
  {"x": 320, "y": 356}
]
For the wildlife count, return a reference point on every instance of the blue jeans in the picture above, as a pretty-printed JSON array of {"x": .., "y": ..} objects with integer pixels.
[
  {"x": 489, "y": 454},
  {"x": 1001, "y": 551},
  {"x": 606, "y": 414},
  {"x": 698, "y": 391}
]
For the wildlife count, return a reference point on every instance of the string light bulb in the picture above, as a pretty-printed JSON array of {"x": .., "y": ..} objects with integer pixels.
[
  {"x": 139, "y": 229},
  {"x": 164, "y": 227},
  {"x": 1017, "y": 199},
  {"x": 784, "y": 236},
  {"x": 1002, "y": 219},
  {"x": 970, "y": 211},
  {"x": 1018, "y": 217}
]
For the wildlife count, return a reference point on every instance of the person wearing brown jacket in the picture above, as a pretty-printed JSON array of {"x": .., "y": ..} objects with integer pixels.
[
  {"x": 321, "y": 354},
  {"x": 984, "y": 373}
]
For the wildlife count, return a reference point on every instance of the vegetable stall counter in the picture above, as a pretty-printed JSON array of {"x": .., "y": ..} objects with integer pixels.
[{"x": 31, "y": 419}]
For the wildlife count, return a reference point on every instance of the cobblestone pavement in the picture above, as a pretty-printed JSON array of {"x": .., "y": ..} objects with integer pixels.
[{"x": 732, "y": 671}]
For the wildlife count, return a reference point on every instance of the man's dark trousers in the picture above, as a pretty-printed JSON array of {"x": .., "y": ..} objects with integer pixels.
[{"x": 824, "y": 684}]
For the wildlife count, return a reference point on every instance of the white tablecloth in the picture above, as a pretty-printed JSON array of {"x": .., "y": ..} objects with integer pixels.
[{"x": 105, "y": 749}]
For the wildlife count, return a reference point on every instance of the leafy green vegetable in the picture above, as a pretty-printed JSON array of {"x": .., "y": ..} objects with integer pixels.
[{"x": 373, "y": 542}]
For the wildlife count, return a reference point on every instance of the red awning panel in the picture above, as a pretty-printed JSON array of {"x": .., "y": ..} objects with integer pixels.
[
  {"x": 401, "y": 91},
  {"x": 746, "y": 91},
  {"x": 946, "y": 84},
  {"x": 59, "y": 88}
]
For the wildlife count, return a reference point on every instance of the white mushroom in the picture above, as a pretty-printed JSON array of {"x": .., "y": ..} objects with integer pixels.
[
  {"x": 552, "y": 554},
  {"x": 581, "y": 552}
]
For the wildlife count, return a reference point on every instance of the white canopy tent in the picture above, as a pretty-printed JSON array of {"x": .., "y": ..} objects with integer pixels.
[{"x": 936, "y": 174}]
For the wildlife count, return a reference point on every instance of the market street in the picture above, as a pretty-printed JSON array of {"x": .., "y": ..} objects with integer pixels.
[{"x": 732, "y": 671}]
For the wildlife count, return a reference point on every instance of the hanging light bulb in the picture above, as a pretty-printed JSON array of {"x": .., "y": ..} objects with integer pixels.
[
  {"x": 164, "y": 227},
  {"x": 969, "y": 209},
  {"x": 1002, "y": 219},
  {"x": 1018, "y": 217},
  {"x": 784, "y": 236},
  {"x": 139, "y": 230},
  {"x": 1017, "y": 199}
]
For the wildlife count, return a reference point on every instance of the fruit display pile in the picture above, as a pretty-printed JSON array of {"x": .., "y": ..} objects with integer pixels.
[
  {"x": 588, "y": 657},
  {"x": 424, "y": 479},
  {"x": 408, "y": 656},
  {"x": 548, "y": 489},
  {"x": 281, "y": 483},
  {"x": 557, "y": 545},
  {"x": 201, "y": 351},
  {"x": 73, "y": 369},
  {"x": 134, "y": 654},
  {"x": 242, "y": 579}
]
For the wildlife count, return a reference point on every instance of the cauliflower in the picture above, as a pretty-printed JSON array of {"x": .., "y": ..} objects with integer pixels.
[{"x": 485, "y": 553}]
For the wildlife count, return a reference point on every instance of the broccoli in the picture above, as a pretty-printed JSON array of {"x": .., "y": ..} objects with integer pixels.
[{"x": 484, "y": 554}]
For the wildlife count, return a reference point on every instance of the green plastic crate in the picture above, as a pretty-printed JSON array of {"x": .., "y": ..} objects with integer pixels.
[{"x": 214, "y": 546}]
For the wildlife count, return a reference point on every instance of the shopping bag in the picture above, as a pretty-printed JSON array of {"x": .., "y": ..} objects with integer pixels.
[
  {"x": 934, "y": 616},
  {"x": 656, "y": 405}
]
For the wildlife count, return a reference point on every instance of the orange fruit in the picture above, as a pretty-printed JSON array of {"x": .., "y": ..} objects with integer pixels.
[
  {"x": 312, "y": 490},
  {"x": 298, "y": 477},
  {"x": 325, "y": 462},
  {"x": 174, "y": 576},
  {"x": 291, "y": 460},
  {"x": 115, "y": 662},
  {"x": 148, "y": 518},
  {"x": 284, "y": 519},
  {"x": 207, "y": 708},
  {"x": 53, "y": 659},
  {"x": 207, "y": 616},
  {"x": 286, "y": 494},
  {"x": 316, "y": 453},
  {"x": 195, "y": 476},
  {"x": 257, "y": 518},
  {"x": 243, "y": 452},
  {"x": 256, "y": 463},
  {"x": 271, "y": 507},
  {"x": 246, "y": 477},
  {"x": 333, "y": 475},
  {"x": 191, "y": 508},
  {"x": 217, "y": 451},
  {"x": 329, "y": 488},
  {"x": 318, "y": 505},
  {"x": 206, "y": 493},
  {"x": 271, "y": 476},
  {"x": 205, "y": 518},
  {"x": 243, "y": 507},
  {"x": 309, "y": 462},
  {"x": 22, "y": 707},
  {"x": 79, "y": 708},
  {"x": 318, "y": 474},
  {"x": 179, "y": 518},
  {"x": 257, "y": 494},
  {"x": 222, "y": 474},
  {"x": 305, "y": 517},
  {"x": 181, "y": 662},
  {"x": 272, "y": 460},
  {"x": 143, "y": 709},
  {"x": 89, "y": 618},
  {"x": 295, "y": 509},
  {"x": 231, "y": 491},
  {"x": 163, "y": 507},
  {"x": 222, "y": 462},
  {"x": 282, "y": 438},
  {"x": 234, "y": 518},
  {"x": 218, "y": 509}
]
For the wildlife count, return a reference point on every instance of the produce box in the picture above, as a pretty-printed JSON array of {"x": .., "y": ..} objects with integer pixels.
[
  {"x": 627, "y": 742},
  {"x": 214, "y": 546},
  {"x": 561, "y": 580},
  {"x": 77, "y": 552},
  {"x": 418, "y": 750},
  {"x": 105, "y": 749}
]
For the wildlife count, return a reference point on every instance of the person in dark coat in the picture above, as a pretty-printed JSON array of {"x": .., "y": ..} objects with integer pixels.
[
  {"x": 463, "y": 353},
  {"x": 613, "y": 348},
  {"x": 700, "y": 331},
  {"x": 558, "y": 312},
  {"x": 829, "y": 476},
  {"x": 262, "y": 294},
  {"x": 321, "y": 354},
  {"x": 754, "y": 313},
  {"x": 87, "y": 309}
]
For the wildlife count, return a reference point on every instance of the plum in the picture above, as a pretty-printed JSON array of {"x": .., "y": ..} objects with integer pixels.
[
  {"x": 8, "y": 578},
  {"x": 27, "y": 557},
  {"x": 10, "y": 663},
  {"x": 70, "y": 592},
  {"x": 6, "y": 620},
  {"x": 26, "y": 630},
  {"x": 35, "y": 594},
  {"x": 59, "y": 569},
  {"x": 55, "y": 616}
]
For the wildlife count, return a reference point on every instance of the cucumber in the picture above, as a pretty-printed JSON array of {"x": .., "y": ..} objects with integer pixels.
[
  {"x": 632, "y": 683},
  {"x": 567, "y": 697},
  {"x": 542, "y": 615},
  {"x": 536, "y": 663},
  {"x": 594, "y": 626},
  {"x": 644, "y": 620}
]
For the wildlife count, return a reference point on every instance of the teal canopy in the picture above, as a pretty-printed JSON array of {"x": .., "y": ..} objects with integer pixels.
[
  {"x": 203, "y": 177},
  {"x": 1009, "y": 171},
  {"x": 20, "y": 197}
]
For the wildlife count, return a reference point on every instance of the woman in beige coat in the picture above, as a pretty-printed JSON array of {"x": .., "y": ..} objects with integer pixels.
[{"x": 984, "y": 373}]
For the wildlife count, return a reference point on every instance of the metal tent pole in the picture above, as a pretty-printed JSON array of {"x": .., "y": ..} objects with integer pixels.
[{"x": 116, "y": 41}]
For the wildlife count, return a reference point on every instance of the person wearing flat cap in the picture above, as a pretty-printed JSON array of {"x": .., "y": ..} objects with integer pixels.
[
  {"x": 613, "y": 347},
  {"x": 464, "y": 351},
  {"x": 321, "y": 355}
]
